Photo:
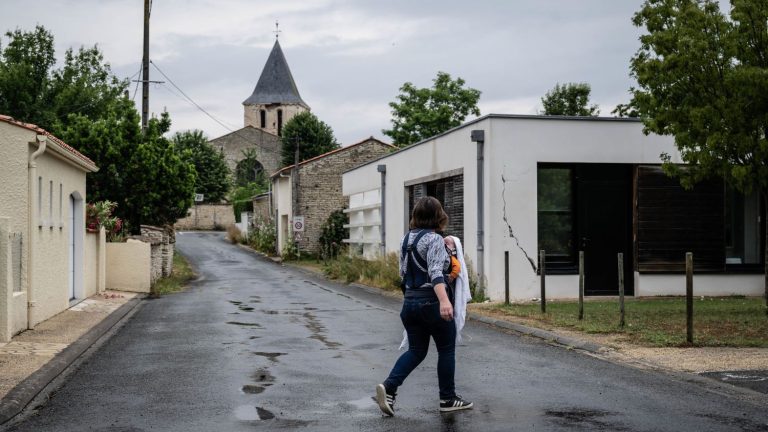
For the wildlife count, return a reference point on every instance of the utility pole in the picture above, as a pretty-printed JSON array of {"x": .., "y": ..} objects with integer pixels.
[{"x": 145, "y": 68}]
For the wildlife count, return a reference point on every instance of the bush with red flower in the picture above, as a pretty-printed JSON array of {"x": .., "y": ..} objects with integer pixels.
[{"x": 99, "y": 214}]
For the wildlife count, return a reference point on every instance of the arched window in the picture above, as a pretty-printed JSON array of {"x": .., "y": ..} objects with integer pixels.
[
  {"x": 248, "y": 170},
  {"x": 279, "y": 122},
  {"x": 263, "y": 118}
]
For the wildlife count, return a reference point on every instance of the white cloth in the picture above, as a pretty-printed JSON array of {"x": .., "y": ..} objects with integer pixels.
[{"x": 462, "y": 296}]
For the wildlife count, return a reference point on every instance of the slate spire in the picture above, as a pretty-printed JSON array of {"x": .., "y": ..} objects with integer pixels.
[{"x": 275, "y": 85}]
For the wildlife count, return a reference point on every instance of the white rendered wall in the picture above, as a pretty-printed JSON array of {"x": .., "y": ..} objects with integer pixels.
[
  {"x": 281, "y": 188},
  {"x": 514, "y": 147}
]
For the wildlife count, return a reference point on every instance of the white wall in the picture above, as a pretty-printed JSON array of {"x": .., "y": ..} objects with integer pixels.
[
  {"x": 365, "y": 223},
  {"x": 446, "y": 153},
  {"x": 514, "y": 148},
  {"x": 281, "y": 190}
]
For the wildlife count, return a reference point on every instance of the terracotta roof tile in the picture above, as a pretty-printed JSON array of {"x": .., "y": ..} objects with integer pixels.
[{"x": 41, "y": 131}]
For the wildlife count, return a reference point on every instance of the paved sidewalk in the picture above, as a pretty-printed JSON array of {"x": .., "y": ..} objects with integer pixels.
[{"x": 33, "y": 358}]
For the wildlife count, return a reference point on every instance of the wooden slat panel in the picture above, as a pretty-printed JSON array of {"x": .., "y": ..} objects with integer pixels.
[{"x": 672, "y": 221}]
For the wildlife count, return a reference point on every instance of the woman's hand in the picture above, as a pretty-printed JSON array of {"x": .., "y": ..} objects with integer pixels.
[{"x": 446, "y": 310}]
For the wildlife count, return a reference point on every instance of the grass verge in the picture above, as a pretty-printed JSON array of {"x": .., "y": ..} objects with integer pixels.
[
  {"x": 181, "y": 274},
  {"x": 657, "y": 322}
]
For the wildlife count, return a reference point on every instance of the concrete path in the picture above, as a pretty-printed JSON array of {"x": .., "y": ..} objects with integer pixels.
[{"x": 257, "y": 346}]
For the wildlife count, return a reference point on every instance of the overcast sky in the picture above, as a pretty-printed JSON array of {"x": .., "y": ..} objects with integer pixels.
[{"x": 349, "y": 57}]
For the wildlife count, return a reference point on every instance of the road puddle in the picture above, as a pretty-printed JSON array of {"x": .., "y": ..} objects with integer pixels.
[
  {"x": 262, "y": 376},
  {"x": 244, "y": 324},
  {"x": 252, "y": 389},
  {"x": 252, "y": 413},
  {"x": 270, "y": 355}
]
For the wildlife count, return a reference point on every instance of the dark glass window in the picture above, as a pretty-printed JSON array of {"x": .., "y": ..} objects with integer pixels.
[
  {"x": 742, "y": 228},
  {"x": 555, "y": 213},
  {"x": 279, "y": 122},
  {"x": 263, "y": 119}
]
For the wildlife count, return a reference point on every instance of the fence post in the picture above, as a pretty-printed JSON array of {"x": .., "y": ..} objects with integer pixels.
[
  {"x": 621, "y": 289},
  {"x": 581, "y": 285},
  {"x": 689, "y": 296},
  {"x": 506, "y": 277},
  {"x": 543, "y": 274}
]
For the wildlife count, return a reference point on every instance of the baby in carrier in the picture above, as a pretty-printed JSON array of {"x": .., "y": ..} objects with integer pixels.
[{"x": 453, "y": 268}]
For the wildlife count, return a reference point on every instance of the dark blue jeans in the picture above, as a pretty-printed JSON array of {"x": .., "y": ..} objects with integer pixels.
[{"x": 421, "y": 318}]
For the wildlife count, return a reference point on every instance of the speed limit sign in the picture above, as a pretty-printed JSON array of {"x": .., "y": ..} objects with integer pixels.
[{"x": 298, "y": 223}]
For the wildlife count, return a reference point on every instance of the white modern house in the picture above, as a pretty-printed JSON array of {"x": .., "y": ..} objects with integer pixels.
[
  {"x": 513, "y": 185},
  {"x": 47, "y": 262}
]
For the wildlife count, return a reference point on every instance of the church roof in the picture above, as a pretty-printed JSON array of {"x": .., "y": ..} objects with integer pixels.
[{"x": 276, "y": 83}]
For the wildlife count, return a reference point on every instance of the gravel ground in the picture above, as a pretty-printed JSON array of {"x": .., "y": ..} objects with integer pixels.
[{"x": 695, "y": 360}]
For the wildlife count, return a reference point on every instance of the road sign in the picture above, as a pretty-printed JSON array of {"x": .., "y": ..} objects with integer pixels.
[
  {"x": 298, "y": 223},
  {"x": 198, "y": 197}
]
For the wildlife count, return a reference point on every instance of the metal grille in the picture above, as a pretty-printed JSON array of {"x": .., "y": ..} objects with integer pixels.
[{"x": 16, "y": 263}]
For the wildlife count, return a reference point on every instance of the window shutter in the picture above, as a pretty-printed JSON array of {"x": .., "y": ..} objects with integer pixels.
[{"x": 672, "y": 221}]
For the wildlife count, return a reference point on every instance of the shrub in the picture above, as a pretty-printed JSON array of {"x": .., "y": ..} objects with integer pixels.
[
  {"x": 99, "y": 214},
  {"x": 290, "y": 250},
  {"x": 382, "y": 272},
  {"x": 263, "y": 237},
  {"x": 233, "y": 234},
  {"x": 332, "y": 234}
]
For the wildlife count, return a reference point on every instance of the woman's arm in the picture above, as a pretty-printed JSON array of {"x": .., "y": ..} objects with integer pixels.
[{"x": 436, "y": 258}]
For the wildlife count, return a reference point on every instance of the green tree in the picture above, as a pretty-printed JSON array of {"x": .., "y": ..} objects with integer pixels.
[
  {"x": 313, "y": 136},
  {"x": 213, "y": 177},
  {"x": 84, "y": 85},
  {"x": 420, "y": 113},
  {"x": 150, "y": 180},
  {"x": 703, "y": 78},
  {"x": 83, "y": 103},
  {"x": 569, "y": 99},
  {"x": 25, "y": 65},
  {"x": 163, "y": 181}
]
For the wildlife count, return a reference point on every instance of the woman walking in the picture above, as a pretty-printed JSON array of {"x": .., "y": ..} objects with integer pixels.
[{"x": 427, "y": 310}]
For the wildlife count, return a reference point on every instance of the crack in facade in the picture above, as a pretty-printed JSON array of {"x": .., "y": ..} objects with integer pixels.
[{"x": 509, "y": 227}]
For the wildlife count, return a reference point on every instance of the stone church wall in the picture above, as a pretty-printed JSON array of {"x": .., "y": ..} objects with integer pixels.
[
  {"x": 235, "y": 143},
  {"x": 253, "y": 115}
]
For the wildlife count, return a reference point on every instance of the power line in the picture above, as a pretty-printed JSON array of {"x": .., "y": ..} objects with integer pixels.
[
  {"x": 189, "y": 98},
  {"x": 136, "y": 90}
]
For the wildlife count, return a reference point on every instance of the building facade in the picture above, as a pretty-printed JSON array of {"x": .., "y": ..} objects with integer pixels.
[
  {"x": 522, "y": 184},
  {"x": 319, "y": 191},
  {"x": 42, "y": 226}
]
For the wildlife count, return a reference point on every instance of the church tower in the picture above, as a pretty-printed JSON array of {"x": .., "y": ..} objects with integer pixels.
[{"x": 275, "y": 100}]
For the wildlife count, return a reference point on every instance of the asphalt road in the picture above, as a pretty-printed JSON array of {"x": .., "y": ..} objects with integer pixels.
[{"x": 253, "y": 345}]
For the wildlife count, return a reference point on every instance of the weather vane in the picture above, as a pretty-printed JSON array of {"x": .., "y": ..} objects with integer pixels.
[{"x": 277, "y": 30}]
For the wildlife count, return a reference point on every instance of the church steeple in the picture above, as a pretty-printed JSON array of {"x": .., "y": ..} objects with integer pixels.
[
  {"x": 276, "y": 84},
  {"x": 276, "y": 98}
]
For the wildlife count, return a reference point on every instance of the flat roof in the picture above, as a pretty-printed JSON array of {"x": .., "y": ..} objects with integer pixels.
[{"x": 503, "y": 116}]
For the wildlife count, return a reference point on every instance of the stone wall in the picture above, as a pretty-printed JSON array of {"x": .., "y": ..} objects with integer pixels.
[
  {"x": 233, "y": 145},
  {"x": 162, "y": 241},
  {"x": 261, "y": 208},
  {"x": 207, "y": 217},
  {"x": 320, "y": 186}
]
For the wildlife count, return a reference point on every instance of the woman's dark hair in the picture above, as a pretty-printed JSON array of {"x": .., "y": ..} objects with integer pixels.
[{"x": 428, "y": 213}]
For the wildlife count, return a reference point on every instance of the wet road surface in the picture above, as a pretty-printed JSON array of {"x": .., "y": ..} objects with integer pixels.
[{"x": 253, "y": 345}]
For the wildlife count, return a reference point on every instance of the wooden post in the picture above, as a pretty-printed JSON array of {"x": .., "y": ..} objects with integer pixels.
[
  {"x": 506, "y": 277},
  {"x": 621, "y": 290},
  {"x": 543, "y": 274},
  {"x": 581, "y": 285},
  {"x": 689, "y": 296}
]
